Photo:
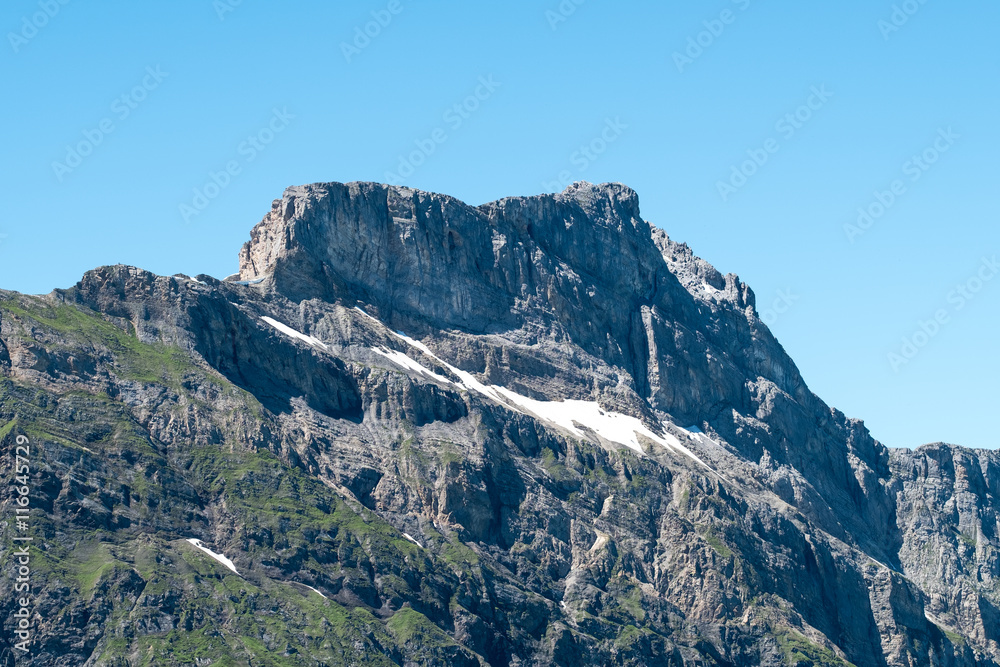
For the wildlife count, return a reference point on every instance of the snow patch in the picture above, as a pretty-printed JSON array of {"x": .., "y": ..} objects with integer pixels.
[
  {"x": 219, "y": 557},
  {"x": 313, "y": 590},
  {"x": 367, "y": 315},
  {"x": 292, "y": 333},
  {"x": 412, "y": 539},
  {"x": 401, "y": 359},
  {"x": 702, "y": 437},
  {"x": 572, "y": 415}
]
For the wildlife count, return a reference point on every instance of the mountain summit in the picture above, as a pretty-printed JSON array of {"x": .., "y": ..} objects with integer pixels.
[{"x": 413, "y": 431}]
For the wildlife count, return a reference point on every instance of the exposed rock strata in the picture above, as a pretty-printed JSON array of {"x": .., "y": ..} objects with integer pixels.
[{"x": 386, "y": 502}]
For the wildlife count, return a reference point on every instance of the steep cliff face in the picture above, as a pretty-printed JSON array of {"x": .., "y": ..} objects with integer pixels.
[
  {"x": 582, "y": 271},
  {"x": 536, "y": 431},
  {"x": 947, "y": 507}
]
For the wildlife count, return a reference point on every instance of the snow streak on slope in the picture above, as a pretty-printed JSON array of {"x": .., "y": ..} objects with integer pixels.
[
  {"x": 288, "y": 331},
  {"x": 401, "y": 359},
  {"x": 612, "y": 426},
  {"x": 571, "y": 415},
  {"x": 319, "y": 593},
  {"x": 695, "y": 433},
  {"x": 219, "y": 557}
]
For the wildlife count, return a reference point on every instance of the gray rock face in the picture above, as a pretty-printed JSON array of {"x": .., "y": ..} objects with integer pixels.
[
  {"x": 582, "y": 271},
  {"x": 946, "y": 498},
  {"x": 536, "y": 431}
]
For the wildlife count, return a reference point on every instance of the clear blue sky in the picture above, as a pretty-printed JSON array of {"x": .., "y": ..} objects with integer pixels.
[{"x": 199, "y": 80}]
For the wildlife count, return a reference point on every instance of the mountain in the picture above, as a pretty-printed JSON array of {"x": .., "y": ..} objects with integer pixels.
[{"x": 412, "y": 431}]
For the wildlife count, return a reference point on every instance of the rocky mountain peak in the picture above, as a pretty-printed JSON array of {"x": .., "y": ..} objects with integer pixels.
[
  {"x": 393, "y": 247},
  {"x": 533, "y": 431}
]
